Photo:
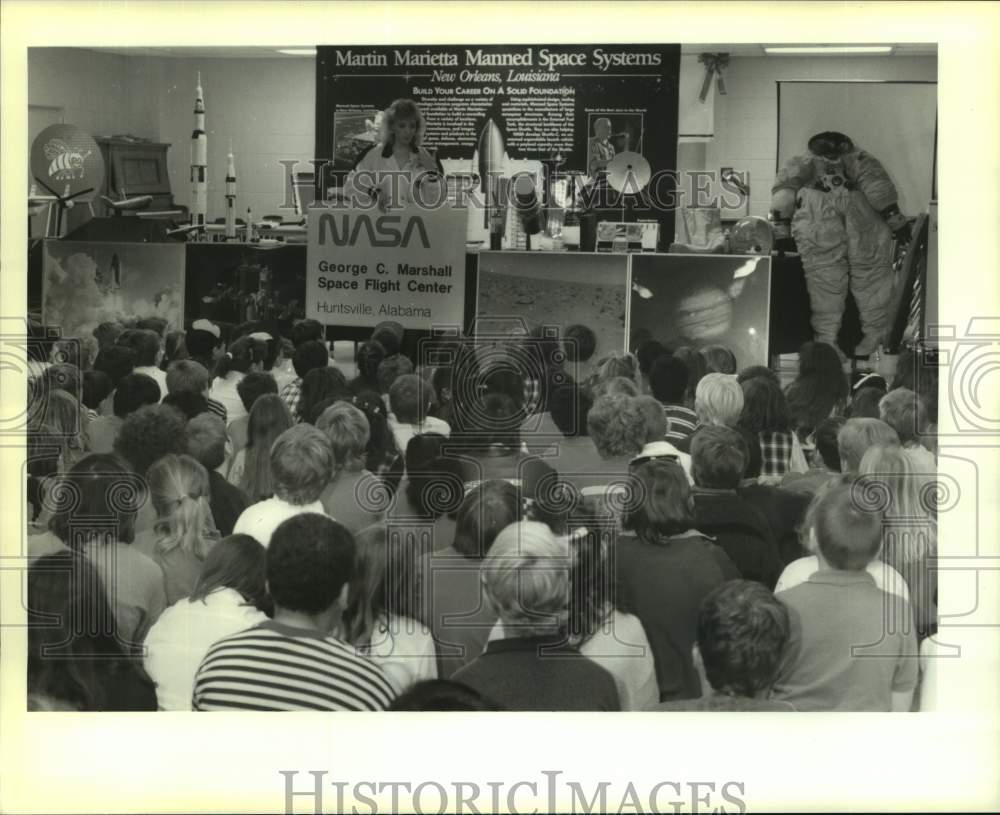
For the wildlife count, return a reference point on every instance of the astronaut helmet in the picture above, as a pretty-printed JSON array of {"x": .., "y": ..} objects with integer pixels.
[{"x": 830, "y": 145}]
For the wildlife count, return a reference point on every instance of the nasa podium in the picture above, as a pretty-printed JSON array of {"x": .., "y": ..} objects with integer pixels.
[{"x": 365, "y": 266}]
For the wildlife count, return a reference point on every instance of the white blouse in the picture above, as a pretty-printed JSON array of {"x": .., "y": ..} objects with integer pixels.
[
  {"x": 178, "y": 642},
  {"x": 404, "y": 649},
  {"x": 396, "y": 184}
]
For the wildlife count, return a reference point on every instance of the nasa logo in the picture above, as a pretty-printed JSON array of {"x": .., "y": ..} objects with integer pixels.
[{"x": 383, "y": 232}]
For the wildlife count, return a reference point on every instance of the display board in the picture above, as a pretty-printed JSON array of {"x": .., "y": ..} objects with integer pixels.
[
  {"x": 894, "y": 121},
  {"x": 364, "y": 266},
  {"x": 699, "y": 300},
  {"x": 85, "y": 284},
  {"x": 544, "y": 99}
]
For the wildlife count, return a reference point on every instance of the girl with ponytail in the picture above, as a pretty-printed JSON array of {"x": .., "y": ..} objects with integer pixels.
[
  {"x": 185, "y": 530},
  {"x": 245, "y": 355}
]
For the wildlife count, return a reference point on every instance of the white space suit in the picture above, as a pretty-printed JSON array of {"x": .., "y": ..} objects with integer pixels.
[{"x": 841, "y": 208}]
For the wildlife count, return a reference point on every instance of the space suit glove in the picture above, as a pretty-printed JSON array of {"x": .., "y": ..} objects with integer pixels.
[{"x": 898, "y": 223}]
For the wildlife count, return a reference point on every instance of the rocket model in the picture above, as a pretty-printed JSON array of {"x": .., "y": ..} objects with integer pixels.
[
  {"x": 199, "y": 161},
  {"x": 230, "y": 196},
  {"x": 491, "y": 164}
]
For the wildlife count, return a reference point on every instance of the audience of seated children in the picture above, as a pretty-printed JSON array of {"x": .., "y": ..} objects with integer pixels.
[
  {"x": 301, "y": 465},
  {"x": 742, "y": 634},
  {"x": 841, "y": 653},
  {"x": 73, "y": 667},
  {"x": 229, "y": 596},
  {"x": 354, "y": 496},
  {"x": 567, "y": 546},
  {"x": 534, "y": 667},
  {"x": 292, "y": 661},
  {"x": 250, "y": 470},
  {"x": 664, "y": 567},
  {"x": 383, "y": 614}
]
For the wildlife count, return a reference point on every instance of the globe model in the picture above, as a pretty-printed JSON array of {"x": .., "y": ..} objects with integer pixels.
[{"x": 751, "y": 236}]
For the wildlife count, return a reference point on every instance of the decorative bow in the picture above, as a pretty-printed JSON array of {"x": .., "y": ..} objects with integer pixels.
[{"x": 714, "y": 64}]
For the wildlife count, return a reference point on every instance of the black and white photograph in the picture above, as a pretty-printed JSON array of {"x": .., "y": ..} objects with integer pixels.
[{"x": 688, "y": 508}]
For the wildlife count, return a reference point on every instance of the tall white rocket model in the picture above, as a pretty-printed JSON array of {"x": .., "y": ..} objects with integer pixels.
[
  {"x": 199, "y": 161},
  {"x": 230, "y": 195}
]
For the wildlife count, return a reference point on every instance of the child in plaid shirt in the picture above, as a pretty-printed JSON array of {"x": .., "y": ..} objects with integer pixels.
[{"x": 765, "y": 417}]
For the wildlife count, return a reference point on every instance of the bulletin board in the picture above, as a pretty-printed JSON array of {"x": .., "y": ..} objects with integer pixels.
[{"x": 894, "y": 121}]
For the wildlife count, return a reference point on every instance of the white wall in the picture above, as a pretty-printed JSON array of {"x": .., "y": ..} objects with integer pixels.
[
  {"x": 102, "y": 93},
  {"x": 266, "y": 106},
  {"x": 746, "y": 118}
]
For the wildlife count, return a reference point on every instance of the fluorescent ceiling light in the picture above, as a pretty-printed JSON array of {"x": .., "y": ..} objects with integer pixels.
[
  {"x": 298, "y": 52},
  {"x": 827, "y": 49}
]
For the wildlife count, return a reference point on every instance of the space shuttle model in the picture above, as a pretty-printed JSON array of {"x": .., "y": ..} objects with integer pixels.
[
  {"x": 199, "y": 161},
  {"x": 230, "y": 195}
]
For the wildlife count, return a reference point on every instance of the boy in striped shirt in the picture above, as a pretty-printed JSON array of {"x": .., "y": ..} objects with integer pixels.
[{"x": 293, "y": 662}]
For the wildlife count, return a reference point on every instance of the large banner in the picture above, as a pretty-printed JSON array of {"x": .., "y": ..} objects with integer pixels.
[
  {"x": 550, "y": 103},
  {"x": 364, "y": 266}
]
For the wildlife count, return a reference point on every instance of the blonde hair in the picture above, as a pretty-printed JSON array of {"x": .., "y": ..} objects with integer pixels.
[
  {"x": 905, "y": 497},
  {"x": 347, "y": 429},
  {"x": 178, "y": 487},
  {"x": 401, "y": 109},
  {"x": 718, "y": 399},
  {"x": 526, "y": 578}
]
